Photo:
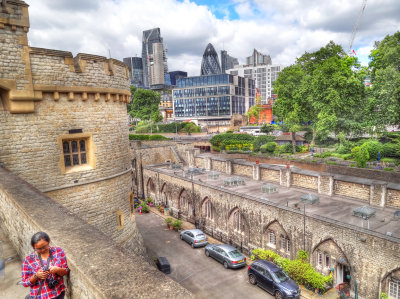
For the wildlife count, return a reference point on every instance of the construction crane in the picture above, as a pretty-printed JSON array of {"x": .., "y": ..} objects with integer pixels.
[{"x": 353, "y": 34}]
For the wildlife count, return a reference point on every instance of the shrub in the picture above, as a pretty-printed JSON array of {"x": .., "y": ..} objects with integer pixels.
[
  {"x": 391, "y": 150},
  {"x": 168, "y": 220},
  {"x": 246, "y": 148},
  {"x": 286, "y": 148},
  {"x": 147, "y": 137},
  {"x": 300, "y": 270},
  {"x": 373, "y": 147},
  {"x": 361, "y": 156},
  {"x": 383, "y": 296},
  {"x": 260, "y": 140},
  {"x": 269, "y": 147},
  {"x": 177, "y": 224},
  {"x": 145, "y": 207},
  {"x": 388, "y": 169}
]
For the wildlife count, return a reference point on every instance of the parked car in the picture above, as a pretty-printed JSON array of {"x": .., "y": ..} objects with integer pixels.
[
  {"x": 195, "y": 237},
  {"x": 273, "y": 279},
  {"x": 228, "y": 255}
]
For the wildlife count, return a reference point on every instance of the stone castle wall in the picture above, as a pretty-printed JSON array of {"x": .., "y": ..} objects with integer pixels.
[
  {"x": 24, "y": 210},
  {"x": 369, "y": 255},
  {"x": 49, "y": 96}
]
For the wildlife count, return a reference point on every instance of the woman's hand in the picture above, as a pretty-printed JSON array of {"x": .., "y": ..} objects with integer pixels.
[
  {"x": 42, "y": 274},
  {"x": 54, "y": 269}
]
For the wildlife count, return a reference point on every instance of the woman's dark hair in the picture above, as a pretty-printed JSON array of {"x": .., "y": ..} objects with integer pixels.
[{"x": 39, "y": 236}]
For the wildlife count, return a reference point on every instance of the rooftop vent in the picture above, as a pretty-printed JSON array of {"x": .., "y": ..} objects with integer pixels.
[
  {"x": 233, "y": 182},
  {"x": 269, "y": 188},
  {"x": 310, "y": 199},
  {"x": 195, "y": 171},
  {"x": 364, "y": 212},
  {"x": 213, "y": 175},
  {"x": 176, "y": 166}
]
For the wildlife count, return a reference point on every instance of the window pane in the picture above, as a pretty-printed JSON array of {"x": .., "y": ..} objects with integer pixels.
[
  {"x": 82, "y": 145},
  {"x": 74, "y": 146},
  {"x": 66, "y": 147},
  {"x": 67, "y": 160},
  {"x": 75, "y": 159},
  {"x": 83, "y": 158}
]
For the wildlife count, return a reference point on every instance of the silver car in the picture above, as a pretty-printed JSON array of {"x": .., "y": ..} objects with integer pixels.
[
  {"x": 228, "y": 255},
  {"x": 195, "y": 237}
]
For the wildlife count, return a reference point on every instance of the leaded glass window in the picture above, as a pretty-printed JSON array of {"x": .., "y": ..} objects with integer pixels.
[{"x": 74, "y": 152}]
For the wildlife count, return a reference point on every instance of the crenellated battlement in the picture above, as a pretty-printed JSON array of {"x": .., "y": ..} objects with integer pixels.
[{"x": 40, "y": 71}]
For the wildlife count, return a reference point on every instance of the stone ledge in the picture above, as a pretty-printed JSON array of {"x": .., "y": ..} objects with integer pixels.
[{"x": 97, "y": 265}]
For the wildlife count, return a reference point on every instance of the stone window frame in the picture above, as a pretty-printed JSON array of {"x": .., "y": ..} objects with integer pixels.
[
  {"x": 271, "y": 238},
  {"x": 207, "y": 210},
  {"x": 237, "y": 220},
  {"x": 90, "y": 149},
  {"x": 319, "y": 259},
  {"x": 394, "y": 289},
  {"x": 327, "y": 260},
  {"x": 120, "y": 220},
  {"x": 287, "y": 244}
]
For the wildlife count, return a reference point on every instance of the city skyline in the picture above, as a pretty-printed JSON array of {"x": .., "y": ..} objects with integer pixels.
[{"x": 282, "y": 30}]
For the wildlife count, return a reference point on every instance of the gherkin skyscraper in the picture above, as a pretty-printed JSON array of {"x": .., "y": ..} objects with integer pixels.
[{"x": 210, "y": 63}]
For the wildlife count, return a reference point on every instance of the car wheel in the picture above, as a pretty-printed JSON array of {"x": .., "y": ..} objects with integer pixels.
[
  {"x": 192, "y": 245},
  {"x": 252, "y": 279},
  {"x": 278, "y": 295},
  {"x": 207, "y": 253},
  {"x": 181, "y": 237},
  {"x": 226, "y": 265}
]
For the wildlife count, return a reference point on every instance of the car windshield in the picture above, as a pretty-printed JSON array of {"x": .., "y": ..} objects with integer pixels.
[
  {"x": 280, "y": 276},
  {"x": 200, "y": 236},
  {"x": 235, "y": 253}
]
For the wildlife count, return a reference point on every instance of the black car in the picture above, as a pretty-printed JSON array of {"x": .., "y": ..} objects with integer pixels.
[{"x": 273, "y": 279}]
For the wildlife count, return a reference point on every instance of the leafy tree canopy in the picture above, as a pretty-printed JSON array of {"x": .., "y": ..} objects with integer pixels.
[{"x": 144, "y": 105}]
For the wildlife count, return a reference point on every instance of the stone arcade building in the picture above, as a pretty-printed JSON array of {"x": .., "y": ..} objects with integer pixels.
[
  {"x": 66, "y": 165},
  {"x": 352, "y": 248}
]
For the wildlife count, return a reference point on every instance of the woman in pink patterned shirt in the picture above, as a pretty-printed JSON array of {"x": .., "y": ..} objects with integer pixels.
[{"x": 43, "y": 269}]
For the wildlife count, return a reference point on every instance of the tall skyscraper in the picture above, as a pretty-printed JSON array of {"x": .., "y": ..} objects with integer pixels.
[
  {"x": 258, "y": 58},
  {"x": 227, "y": 62},
  {"x": 135, "y": 66},
  {"x": 154, "y": 56},
  {"x": 259, "y": 68},
  {"x": 210, "y": 63}
]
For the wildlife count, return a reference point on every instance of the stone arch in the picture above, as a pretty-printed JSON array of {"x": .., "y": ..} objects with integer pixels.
[
  {"x": 151, "y": 189},
  {"x": 391, "y": 277},
  {"x": 164, "y": 193},
  {"x": 326, "y": 256},
  {"x": 277, "y": 238},
  {"x": 238, "y": 227},
  {"x": 184, "y": 203},
  {"x": 207, "y": 209}
]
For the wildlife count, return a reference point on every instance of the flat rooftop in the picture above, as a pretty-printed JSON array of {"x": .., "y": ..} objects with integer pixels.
[{"x": 338, "y": 209}]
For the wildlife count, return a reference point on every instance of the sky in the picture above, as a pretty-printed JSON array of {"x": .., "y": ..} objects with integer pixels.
[{"x": 282, "y": 29}]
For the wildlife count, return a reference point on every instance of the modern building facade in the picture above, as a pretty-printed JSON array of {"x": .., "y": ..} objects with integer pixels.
[
  {"x": 154, "y": 56},
  {"x": 227, "y": 62},
  {"x": 213, "y": 97},
  {"x": 264, "y": 76},
  {"x": 135, "y": 66},
  {"x": 258, "y": 58},
  {"x": 210, "y": 62},
  {"x": 172, "y": 77}
]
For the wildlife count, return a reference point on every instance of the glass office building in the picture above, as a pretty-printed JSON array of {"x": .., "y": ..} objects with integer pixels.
[{"x": 213, "y": 96}]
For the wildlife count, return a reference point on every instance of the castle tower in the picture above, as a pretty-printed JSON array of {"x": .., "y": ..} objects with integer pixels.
[{"x": 64, "y": 127}]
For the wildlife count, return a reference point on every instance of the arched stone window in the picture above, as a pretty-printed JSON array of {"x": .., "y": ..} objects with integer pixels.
[
  {"x": 237, "y": 220},
  {"x": 184, "y": 202},
  {"x": 277, "y": 237},
  {"x": 207, "y": 209}
]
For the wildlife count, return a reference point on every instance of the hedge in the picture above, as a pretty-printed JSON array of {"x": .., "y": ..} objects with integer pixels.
[
  {"x": 300, "y": 270},
  {"x": 147, "y": 137},
  {"x": 231, "y": 139}
]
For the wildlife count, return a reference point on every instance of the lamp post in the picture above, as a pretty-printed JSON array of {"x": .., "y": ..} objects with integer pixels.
[{"x": 304, "y": 227}]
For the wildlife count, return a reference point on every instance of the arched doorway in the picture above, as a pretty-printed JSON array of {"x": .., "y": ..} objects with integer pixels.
[
  {"x": 164, "y": 196},
  {"x": 185, "y": 205},
  {"x": 328, "y": 257},
  {"x": 151, "y": 189},
  {"x": 238, "y": 229}
]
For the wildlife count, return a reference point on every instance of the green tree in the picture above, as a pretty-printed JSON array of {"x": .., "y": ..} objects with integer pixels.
[
  {"x": 290, "y": 105},
  {"x": 145, "y": 105},
  {"x": 267, "y": 129},
  {"x": 384, "y": 100}
]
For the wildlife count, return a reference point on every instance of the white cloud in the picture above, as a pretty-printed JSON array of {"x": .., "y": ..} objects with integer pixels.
[{"x": 283, "y": 29}]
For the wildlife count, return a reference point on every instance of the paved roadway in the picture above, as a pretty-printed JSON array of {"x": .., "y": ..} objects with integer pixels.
[{"x": 204, "y": 277}]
